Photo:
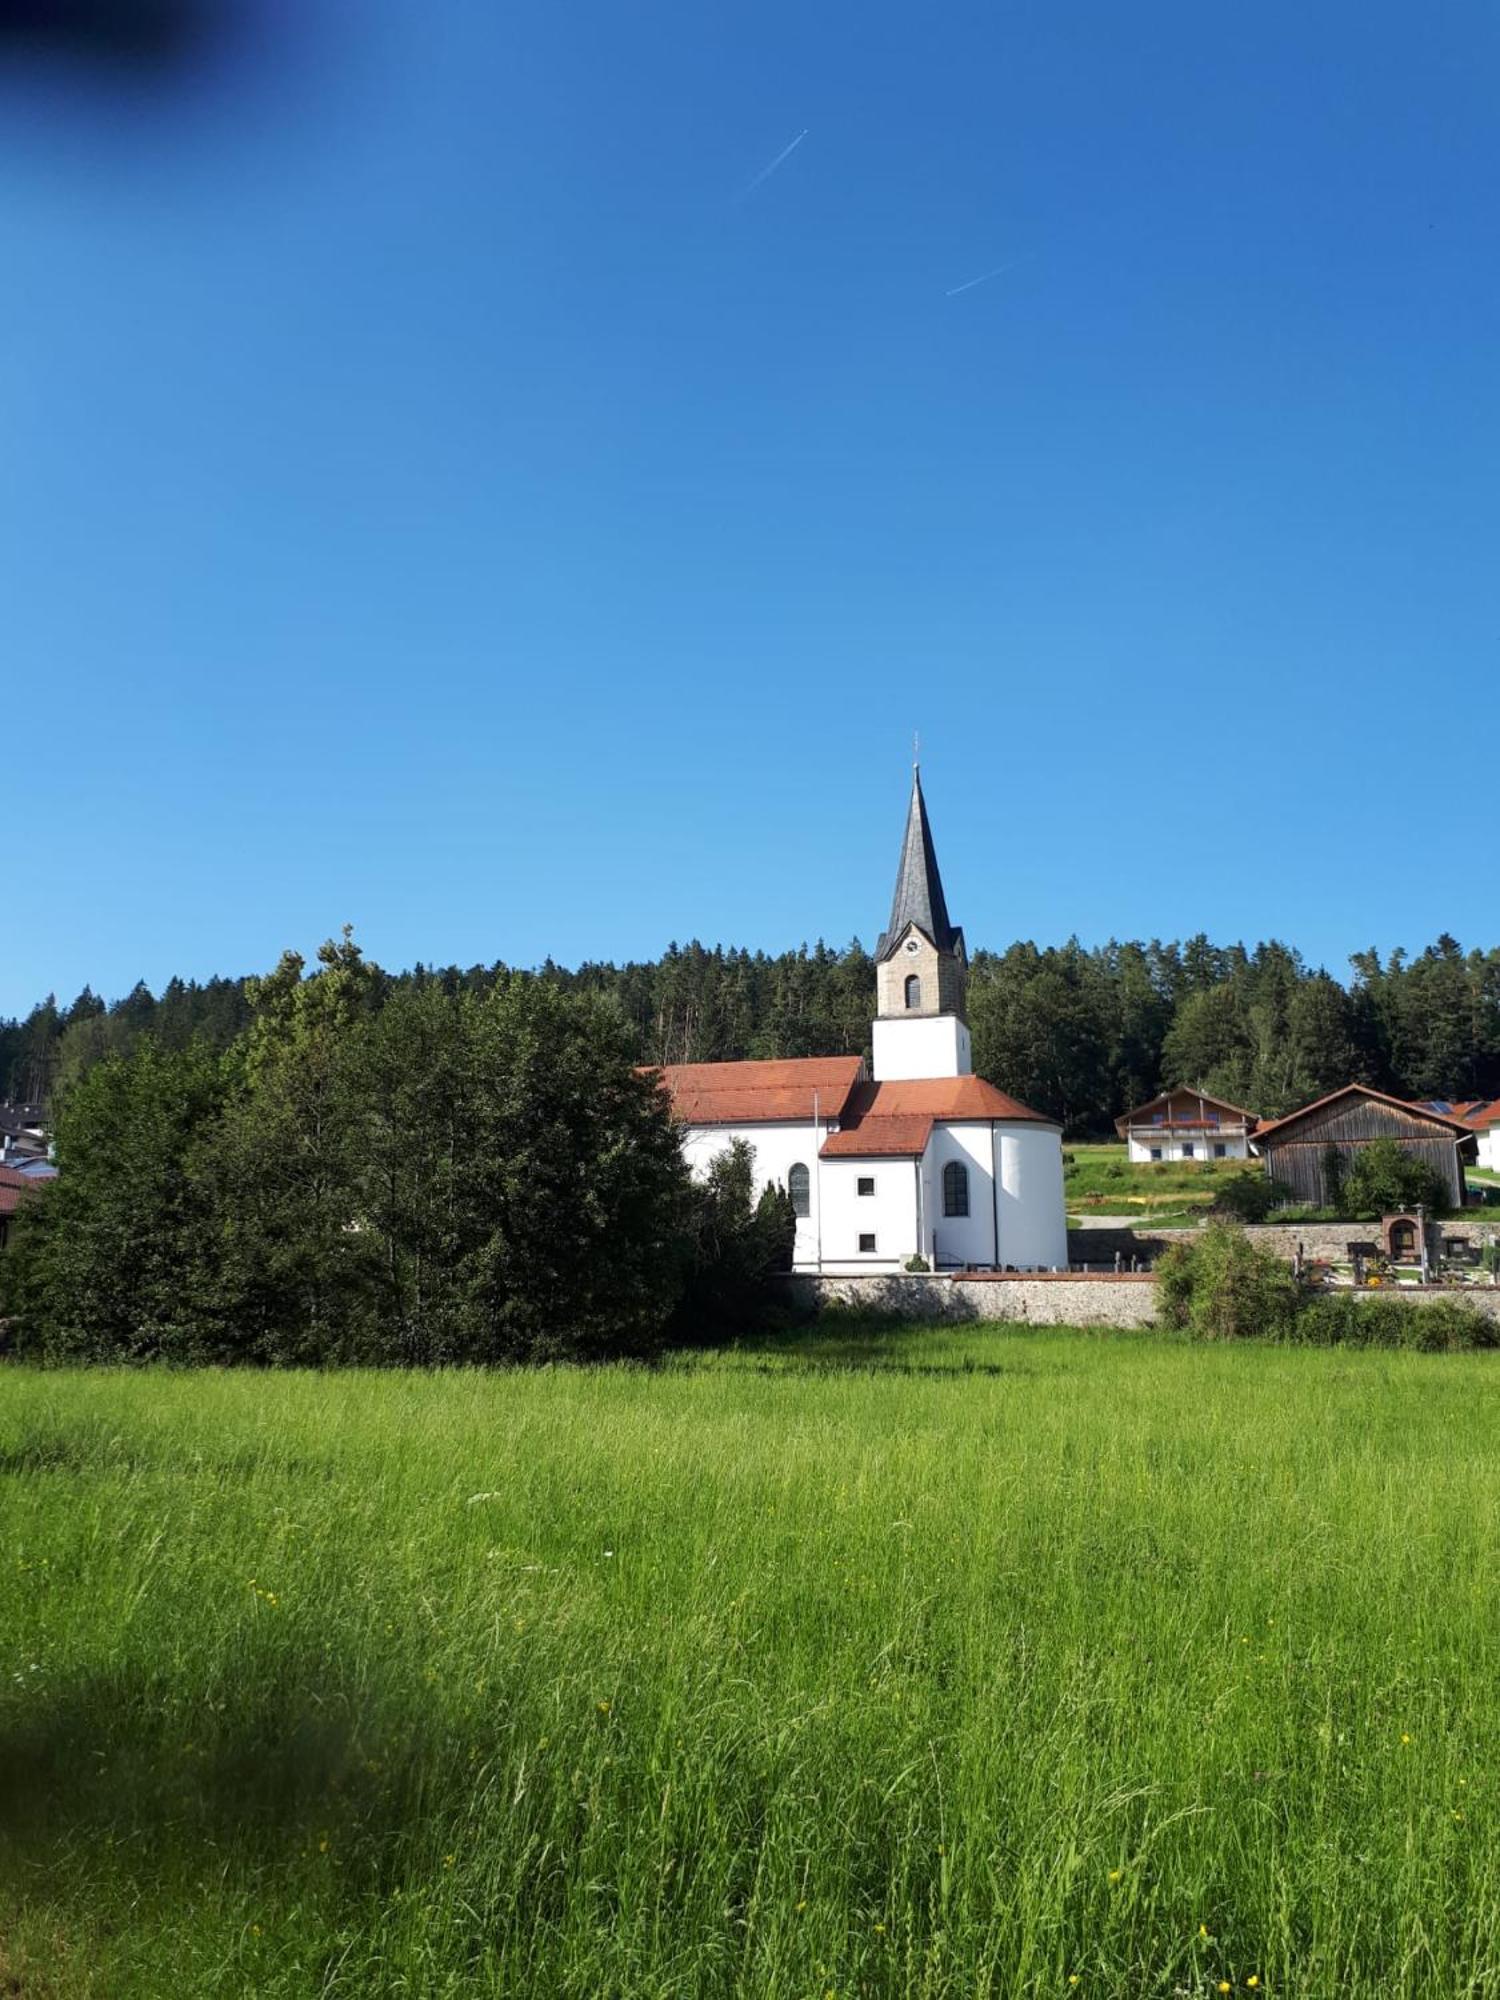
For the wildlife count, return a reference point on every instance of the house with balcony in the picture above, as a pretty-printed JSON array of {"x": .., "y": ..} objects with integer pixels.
[{"x": 1185, "y": 1124}]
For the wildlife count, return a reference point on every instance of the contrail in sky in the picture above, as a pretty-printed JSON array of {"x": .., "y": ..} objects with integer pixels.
[
  {"x": 785, "y": 154},
  {"x": 983, "y": 279}
]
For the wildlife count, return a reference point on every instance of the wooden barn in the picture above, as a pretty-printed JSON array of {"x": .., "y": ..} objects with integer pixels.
[{"x": 1295, "y": 1148}]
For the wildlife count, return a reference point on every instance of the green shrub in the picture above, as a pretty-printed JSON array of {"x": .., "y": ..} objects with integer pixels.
[
  {"x": 1247, "y": 1197},
  {"x": 1384, "y": 1176},
  {"x": 1354, "y": 1319},
  {"x": 441, "y": 1178},
  {"x": 1221, "y": 1286}
]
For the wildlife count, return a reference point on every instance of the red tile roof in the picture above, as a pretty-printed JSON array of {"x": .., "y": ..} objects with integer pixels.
[
  {"x": 902, "y": 1137},
  {"x": 12, "y": 1186},
  {"x": 1481, "y": 1116},
  {"x": 761, "y": 1093},
  {"x": 893, "y": 1120},
  {"x": 941, "y": 1097}
]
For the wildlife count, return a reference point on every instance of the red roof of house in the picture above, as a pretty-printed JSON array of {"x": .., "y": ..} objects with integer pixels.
[
  {"x": 895, "y": 1120},
  {"x": 1122, "y": 1125},
  {"x": 1481, "y": 1116},
  {"x": 760, "y": 1093},
  {"x": 1363, "y": 1090},
  {"x": 12, "y": 1186}
]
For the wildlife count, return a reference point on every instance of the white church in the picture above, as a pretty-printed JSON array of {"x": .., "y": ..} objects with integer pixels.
[{"x": 919, "y": 1159}]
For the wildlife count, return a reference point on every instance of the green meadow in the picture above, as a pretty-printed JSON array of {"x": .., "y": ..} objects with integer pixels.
[
  {"x": 1100, "y": 1179},
  {"x": 931, "y": 1663}
]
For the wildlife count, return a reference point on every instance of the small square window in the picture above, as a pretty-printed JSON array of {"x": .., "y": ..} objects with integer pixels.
[
  {"x": 1156, "y": 1152},
  {"x": 1220, "y": 1149},
  {"x": 866, "y": 1244},
  {"x": 865, "y": 1185},
  {"x": 1187, "y": 1149}
]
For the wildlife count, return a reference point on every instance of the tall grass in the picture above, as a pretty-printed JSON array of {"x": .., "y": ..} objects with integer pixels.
[{"x": 921, "y": 1664}]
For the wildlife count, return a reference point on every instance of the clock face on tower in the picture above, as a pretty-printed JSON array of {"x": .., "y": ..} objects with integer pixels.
[{"x": 912, "y": 947}]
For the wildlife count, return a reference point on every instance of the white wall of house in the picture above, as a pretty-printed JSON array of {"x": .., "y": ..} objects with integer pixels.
[
  {"x": 1489, "y": 1149},
  {"x": 925, "y": 1046},
  {"x": 1147, "y": 1141}
]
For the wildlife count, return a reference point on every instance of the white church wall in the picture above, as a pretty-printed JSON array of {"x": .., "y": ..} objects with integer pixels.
[
  {"x": 1033, "y": 1221},
  {"x": 924, "y": 1046},
  {"x": 1033, "y": 1212},
  {"x": 888, "y": 1213},
  {"x": 956, "y": 1239}
]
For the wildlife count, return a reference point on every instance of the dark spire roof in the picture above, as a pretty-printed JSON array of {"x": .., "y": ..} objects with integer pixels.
[{"x": 919, "y": 887}]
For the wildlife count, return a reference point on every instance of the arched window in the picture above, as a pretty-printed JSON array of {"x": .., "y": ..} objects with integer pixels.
[
  {"x": 799, "y": 1187},
  {"x": 913, "y": 990},
  {"x": 955, "y": 1188}
]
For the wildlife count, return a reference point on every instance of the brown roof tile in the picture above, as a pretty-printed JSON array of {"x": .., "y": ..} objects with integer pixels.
[
  {"x": 896, "y": 1119},
  {"x": 760, "y": 1093},
  {"x": 12, "y": 1186},
  {"x": 903, "y": 1136},
  {"x": 940, "y": 1097}
]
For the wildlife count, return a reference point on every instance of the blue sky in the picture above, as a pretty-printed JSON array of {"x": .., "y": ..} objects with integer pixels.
[{"x": 441, "y": 493}]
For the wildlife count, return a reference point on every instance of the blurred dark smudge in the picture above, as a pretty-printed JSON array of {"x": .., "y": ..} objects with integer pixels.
[{"x": 141, "y": 37}]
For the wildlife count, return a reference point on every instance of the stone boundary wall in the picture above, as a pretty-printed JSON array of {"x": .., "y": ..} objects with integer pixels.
[
  {"x": 1047, "y": 1299},
  {"x": 1041, "y": 1299},
  {"x": 1318, "y": 1239}
]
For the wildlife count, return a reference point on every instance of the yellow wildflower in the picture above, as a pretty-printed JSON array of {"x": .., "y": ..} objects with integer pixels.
[{"x": 1115, "y": 1874}]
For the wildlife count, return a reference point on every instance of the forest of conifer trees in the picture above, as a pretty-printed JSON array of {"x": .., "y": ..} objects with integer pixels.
[{"x": 1079, "y": 1033}]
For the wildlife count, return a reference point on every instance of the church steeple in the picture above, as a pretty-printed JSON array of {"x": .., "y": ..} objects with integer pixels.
[
  {"x": 919, "y": 895},
  {"x": 921, "y": 966}
]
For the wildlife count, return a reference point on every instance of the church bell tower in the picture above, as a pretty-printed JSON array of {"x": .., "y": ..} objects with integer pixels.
[{"x": 921, "y": 967}]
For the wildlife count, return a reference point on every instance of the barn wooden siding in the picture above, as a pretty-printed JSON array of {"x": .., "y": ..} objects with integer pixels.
[{"x": 1294, "y": 1158}]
